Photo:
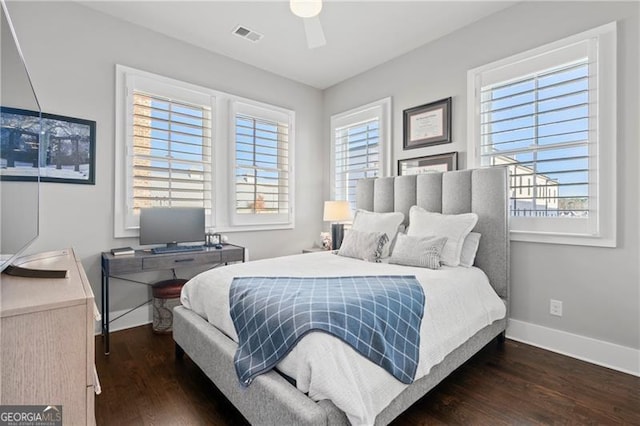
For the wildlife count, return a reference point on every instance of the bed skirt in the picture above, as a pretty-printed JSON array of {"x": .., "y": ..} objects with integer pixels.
[{"x": 272, "y": 400}]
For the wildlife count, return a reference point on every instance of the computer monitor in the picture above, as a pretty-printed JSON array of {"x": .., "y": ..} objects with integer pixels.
[{"x": 170, "y": 226}]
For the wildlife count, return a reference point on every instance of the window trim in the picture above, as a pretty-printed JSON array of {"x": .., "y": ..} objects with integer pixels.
[
  {"x": 360, "y": 114},
  {"x": 222, "y": 150},
  {"x": 606, "y": 207},
  {"x": 124, "y": 75}
]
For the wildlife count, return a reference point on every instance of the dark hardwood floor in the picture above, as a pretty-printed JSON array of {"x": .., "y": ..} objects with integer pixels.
[{"x": 514, "y": 383}]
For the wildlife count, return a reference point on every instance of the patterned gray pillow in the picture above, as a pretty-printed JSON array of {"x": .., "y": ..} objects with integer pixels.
[
  {"x": 423, "y": 252},
  {"x": 363, "y": 245}
]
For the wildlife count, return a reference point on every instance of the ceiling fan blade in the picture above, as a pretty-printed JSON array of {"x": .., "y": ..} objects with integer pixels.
[{"x": 315, "y": 34}]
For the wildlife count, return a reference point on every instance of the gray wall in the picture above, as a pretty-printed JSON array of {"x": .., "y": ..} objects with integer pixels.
[
  {"x": 599, "y": 286},
  {"x": 71, "y": 52}
]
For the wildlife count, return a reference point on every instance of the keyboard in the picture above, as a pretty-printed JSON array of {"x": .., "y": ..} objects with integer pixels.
[{"x": 176, "y": 249}]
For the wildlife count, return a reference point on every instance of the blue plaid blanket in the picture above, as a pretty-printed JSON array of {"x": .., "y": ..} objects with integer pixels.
[{"x": 379, "y": 316}]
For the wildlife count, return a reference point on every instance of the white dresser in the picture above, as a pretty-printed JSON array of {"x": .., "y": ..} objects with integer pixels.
[{"x": 47, "y": 339}]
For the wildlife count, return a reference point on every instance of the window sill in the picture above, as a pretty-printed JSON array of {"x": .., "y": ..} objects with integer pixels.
[{"x": 566, "y": 239}]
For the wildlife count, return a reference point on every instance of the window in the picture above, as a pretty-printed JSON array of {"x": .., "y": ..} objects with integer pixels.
[
  {"x": 538, "y": 127},
  {"x": 548, "y": 115},
  {"x": 262, "y": 170},
  {"x": 172, "y": 151},
  {"x": 359, "y": 144},
  {"x": 165, "y": 155}
]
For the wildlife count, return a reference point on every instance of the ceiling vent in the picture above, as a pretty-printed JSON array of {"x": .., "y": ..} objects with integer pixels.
[{"x": 248, "y": 34}]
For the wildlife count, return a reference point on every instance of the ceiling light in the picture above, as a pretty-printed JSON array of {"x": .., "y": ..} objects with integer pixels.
[{"x": 305, "y": 8}]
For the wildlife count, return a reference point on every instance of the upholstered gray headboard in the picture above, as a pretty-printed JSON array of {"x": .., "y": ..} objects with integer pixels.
[{"x": 481, "y": 191}]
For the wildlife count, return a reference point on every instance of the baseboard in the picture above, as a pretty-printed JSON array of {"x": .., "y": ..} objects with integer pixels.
[
  {"x": 610, "y": 355},
  {"x": 141, "y": 316}
]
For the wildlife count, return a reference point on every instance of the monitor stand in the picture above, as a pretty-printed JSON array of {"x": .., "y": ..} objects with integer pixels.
[
  {"x": 28, "y": 266},
  {"x": 18, "y": 271}
]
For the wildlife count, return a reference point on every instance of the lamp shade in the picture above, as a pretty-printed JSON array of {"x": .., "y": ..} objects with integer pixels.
[
  {"x": 305, "y": 8},
  {"x": 335, "y": 211}
]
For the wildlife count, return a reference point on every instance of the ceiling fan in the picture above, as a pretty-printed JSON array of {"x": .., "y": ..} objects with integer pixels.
[{"x": 309, "y": 10}]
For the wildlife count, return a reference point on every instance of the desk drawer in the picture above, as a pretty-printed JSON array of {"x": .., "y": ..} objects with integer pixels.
[
  {"x": 234, "y": 255},
  {"x": 125, "y": 264},
  {"x": 175, "y": 261}
]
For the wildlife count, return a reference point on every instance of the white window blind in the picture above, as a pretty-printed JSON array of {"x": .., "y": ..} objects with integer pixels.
[
  {"x": 541, "y": 127},
  {"x": 548, "y": 115},
  {"x": 262, "y": 171},
  {"x": 171, "y": 153},
  {"x": 357, "y": 156},
  {"x": 359, "y": 144}
]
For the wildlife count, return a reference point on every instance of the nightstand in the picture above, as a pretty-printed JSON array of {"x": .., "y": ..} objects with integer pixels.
[{"x": 313, "y": 250}]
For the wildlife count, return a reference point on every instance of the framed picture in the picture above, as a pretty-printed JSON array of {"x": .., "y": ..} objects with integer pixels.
[
  {"x": 427, "y": 125},
  {"x": 431, "y": 163},
  {"x": 67, "y": 147}
]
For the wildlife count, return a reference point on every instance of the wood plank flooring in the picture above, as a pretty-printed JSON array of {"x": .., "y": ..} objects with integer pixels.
[{"x": 142, "y": 384}]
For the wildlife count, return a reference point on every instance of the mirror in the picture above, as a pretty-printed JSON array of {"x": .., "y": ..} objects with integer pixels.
[{"x": 19, "y": 153}]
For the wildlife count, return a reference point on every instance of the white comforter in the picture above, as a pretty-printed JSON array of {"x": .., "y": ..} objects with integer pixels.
[{"x": 459, "y": 302}]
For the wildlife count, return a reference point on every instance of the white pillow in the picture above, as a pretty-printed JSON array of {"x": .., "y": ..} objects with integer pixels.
[
  {"x": 469, "y": 249},
  {"x": 388, "y": 223},
  {"x": 455, "y": 227},
  {"x": 423, "y": 252}
]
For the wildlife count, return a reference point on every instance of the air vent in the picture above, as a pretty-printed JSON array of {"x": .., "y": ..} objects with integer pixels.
[{"x": 248, "y": 34}]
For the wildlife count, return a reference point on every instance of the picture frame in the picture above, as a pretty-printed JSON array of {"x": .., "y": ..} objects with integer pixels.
[
  {"x": 62, "y": 149},
  {"x": 427, "y": 164},
  {"x": 427, "y": 125}
]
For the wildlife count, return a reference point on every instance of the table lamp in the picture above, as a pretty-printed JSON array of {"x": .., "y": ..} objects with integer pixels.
[{"x": 336, "y": 211}]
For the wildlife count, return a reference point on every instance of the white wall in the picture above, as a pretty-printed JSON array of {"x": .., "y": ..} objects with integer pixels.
[
  {"x": 599, "y": 286},
  {"x": 71, "y": 52}
]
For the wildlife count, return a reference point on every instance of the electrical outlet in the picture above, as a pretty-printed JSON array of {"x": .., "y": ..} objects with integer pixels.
[{"x": 555, "y": 308}]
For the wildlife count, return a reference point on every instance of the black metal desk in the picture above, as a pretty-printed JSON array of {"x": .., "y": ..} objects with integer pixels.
[{"x": 144, "y": 261}]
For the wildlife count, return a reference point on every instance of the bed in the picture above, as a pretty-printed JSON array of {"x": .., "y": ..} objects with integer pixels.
[{"x": 272, "y": 398}]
